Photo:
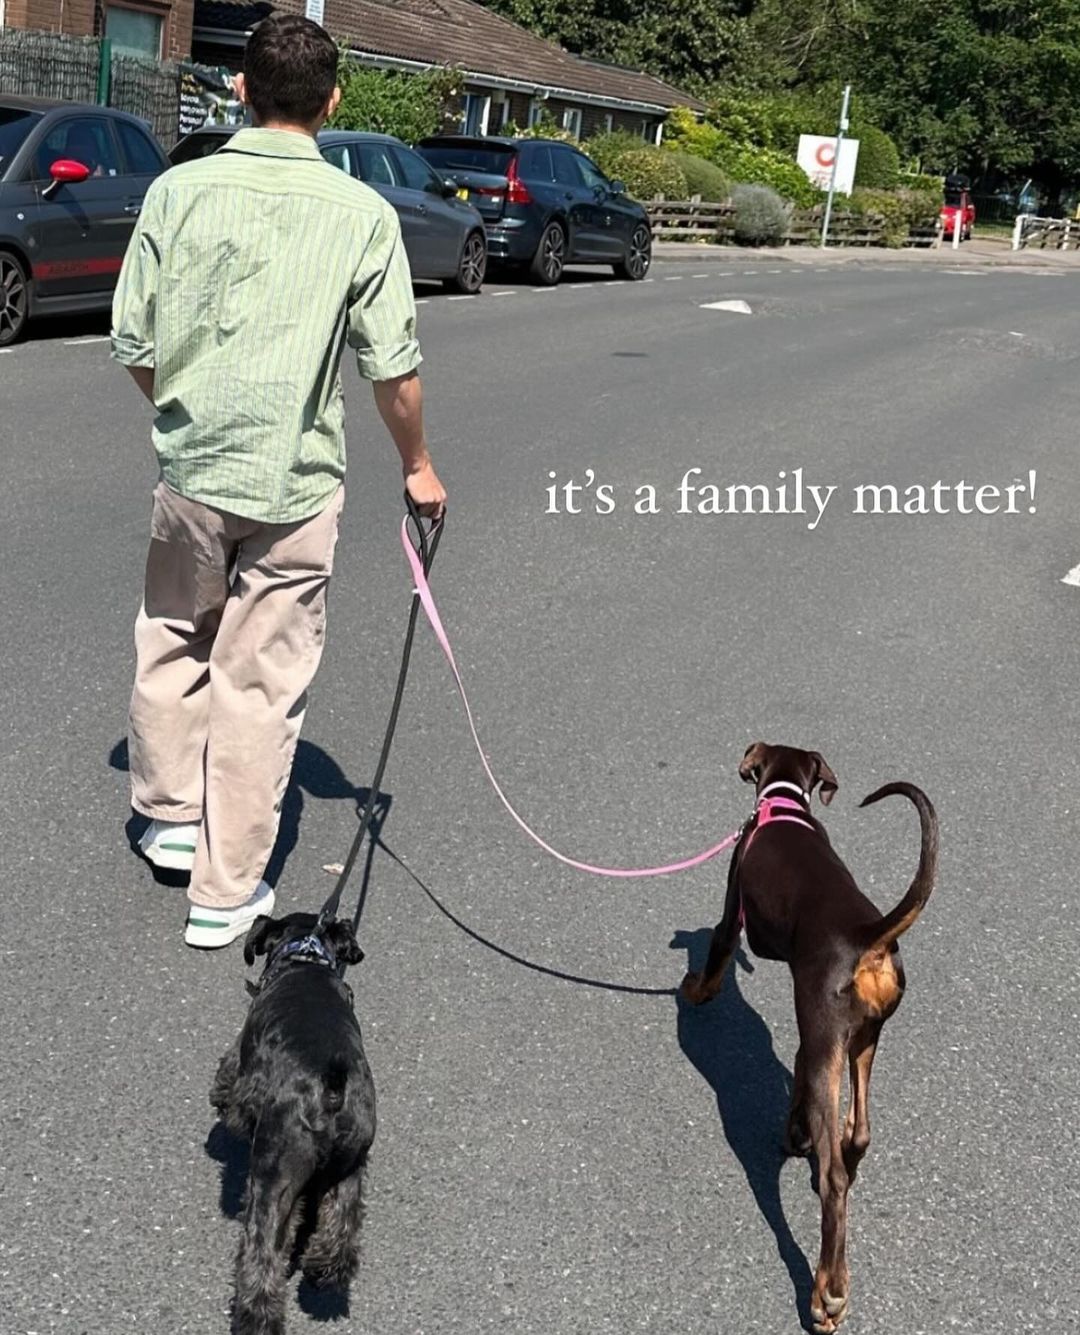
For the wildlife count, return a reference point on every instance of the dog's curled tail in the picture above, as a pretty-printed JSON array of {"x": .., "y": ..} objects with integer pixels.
[{"x": 881, "y": 935}]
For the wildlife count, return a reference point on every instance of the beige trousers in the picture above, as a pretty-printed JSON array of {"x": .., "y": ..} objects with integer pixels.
[{"x": 227, "y": 642}]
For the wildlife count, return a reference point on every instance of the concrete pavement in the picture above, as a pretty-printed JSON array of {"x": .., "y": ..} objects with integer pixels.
[{"x": 556, "y": 1157}]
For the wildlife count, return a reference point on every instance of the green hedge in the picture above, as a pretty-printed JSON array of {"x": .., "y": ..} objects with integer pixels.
[
  {"x": 898, "y": 210},
  {"x": 703, "y": 178},
  {"x": 878, "y": 163},
  {"x": 409, "y": 106}
]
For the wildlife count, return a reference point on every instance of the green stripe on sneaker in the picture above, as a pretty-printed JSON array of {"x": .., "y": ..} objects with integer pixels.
[
  {"x": 206, "y": 922},
  {"x": 177, "y": 848}
]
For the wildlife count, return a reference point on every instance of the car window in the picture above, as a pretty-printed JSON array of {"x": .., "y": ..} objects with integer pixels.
[
  {"x": 338, "y": 156},
  {"x": 467, "y": 156},
  {"x": 142, "y": 156},
  {"x": 86, "y": 140},
  {"x": 537, "y": 164},
  {"x": 415, "y": 171},
  {"x": 15, "y": 125},
  {"x": 593, "y": 177},
  {"x": 377, "y": 165},
  {"x": 197, "y": 145},
  {"x": 566, "y": 169}
]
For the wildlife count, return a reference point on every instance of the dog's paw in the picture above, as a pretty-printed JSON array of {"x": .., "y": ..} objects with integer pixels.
[{"x": 827, "y": 1309}]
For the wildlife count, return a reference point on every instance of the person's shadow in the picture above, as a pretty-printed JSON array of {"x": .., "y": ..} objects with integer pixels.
[
  {"x": 730, "y": 1044},
  {"x": 314, "y": 773}
]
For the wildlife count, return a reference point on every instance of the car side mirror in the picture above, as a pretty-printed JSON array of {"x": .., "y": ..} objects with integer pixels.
[
  {"x": 65, "y": 171},
  {"x": 618, "y": 188},
  {"x": 449, "y": 187}
]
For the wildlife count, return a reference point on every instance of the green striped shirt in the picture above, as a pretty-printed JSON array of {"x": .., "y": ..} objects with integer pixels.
[{"x": 247, "y": 273}]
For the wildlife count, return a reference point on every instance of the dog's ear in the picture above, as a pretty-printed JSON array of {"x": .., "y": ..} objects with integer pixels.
[
  {"x": 264, "y": 935},
  {"x": 342, "y": 940},
  {"x": 824, "y": 775},
  {"x": 752, "y": 762}
]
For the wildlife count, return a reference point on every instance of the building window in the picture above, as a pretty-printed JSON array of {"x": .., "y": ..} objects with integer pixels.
[
  {"x": 537, "y": 108},
  {"x": 499, "y": 115},
  {"x": 134, "y": 32},
  {"x": 571, "y": 121},
  {"x": 476, "y": 108}
]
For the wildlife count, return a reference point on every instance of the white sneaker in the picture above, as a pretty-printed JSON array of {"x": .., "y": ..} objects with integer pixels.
[
  {"x": 170, "y": 844},
  {"x": 217, "y": 927}
]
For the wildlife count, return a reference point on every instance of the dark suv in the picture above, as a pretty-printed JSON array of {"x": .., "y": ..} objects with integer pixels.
[
  {"x": 545, "y": 204},
  {"x": 72, "y": 181}
]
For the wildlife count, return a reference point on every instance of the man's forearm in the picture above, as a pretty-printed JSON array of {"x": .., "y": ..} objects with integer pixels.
[
  {"x": 401, "y": 407},
  {"x": 144, "y": 378}
]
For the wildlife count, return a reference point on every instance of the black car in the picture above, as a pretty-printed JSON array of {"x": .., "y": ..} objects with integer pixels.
[
  {"x": 443, "y": 234},
  {"x": 72, "y": 181},
  {"x": 545, "y": 204}
]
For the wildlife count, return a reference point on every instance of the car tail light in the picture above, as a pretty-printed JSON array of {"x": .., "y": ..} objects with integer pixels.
[{"x": 517, "y": 192}]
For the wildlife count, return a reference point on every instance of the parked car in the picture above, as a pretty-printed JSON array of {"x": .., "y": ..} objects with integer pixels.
[
  {"x": 545, "y": 204},
  {"x": 958, "y": 203},
  {"x": 72, "y": 181},
  {"x": 443, "y": 234}
]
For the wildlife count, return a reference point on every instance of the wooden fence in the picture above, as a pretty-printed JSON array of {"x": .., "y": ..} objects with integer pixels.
[
  {"x": 697, "y": 220},
  {"x": 1046, "y": 233}
]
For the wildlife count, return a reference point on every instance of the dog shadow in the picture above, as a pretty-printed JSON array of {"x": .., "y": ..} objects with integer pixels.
[
  {"x": 314, "y": 773},
  {"x": 730, "y": 1044}
]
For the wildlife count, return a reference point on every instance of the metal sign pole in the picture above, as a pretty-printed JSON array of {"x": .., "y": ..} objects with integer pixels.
[{"x": 835, "y": 165}]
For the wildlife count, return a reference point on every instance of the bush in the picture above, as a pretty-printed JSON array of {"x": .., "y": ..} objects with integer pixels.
[
  {"x": 606, "y": 147},
  {"x": 407, "y": 105},
  {"x": 761, "y": 217},
  {"x": 898, "y": 211},
  {"x": 764, "y": 166},
  {"x": 703, "y": 178},
  {"x": 878, "y": 163},
  {"x": 648, "y": 172}
]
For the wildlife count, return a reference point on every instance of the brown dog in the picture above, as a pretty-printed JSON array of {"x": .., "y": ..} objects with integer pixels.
[{"x": 800, "y": 904}]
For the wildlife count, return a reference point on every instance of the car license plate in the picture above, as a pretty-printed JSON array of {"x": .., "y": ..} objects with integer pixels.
[{"x": 463, "y": 194}]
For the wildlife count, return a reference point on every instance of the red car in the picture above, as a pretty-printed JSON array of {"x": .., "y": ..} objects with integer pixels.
[{"x": 957, "y": 202}]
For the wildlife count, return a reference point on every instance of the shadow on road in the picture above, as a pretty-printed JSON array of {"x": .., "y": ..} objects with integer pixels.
[
  {"x": 314, "y": 773},
  {"x": 730, "y": 1044}
]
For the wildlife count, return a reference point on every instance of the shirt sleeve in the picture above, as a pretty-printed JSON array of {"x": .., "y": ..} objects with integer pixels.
[
  {"x": 382, "y": 312},
  {"x": 135, "y": 298}
]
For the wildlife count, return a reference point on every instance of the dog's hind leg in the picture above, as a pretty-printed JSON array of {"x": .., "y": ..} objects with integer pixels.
[
  {"x": 857, "y": 1126},
  {"x": 275, "y": 1186},
  {"x": 796, "y": 1137},
  {"x": 824, "y": 1074},
  {"x": 332, "y": 1255}
]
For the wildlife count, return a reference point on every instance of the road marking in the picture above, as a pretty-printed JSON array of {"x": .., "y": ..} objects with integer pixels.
[
  {"x": 699, "y": 275},
  {"x": 776, "y": 271},
  {"x": 728, "y": 273},
  {"x": 5, "y": 350},
  {"x": 1073, "y": 577},
  {"x": 86, "y": 338},
  {"x": 543, "y": 291},
  {"x": 507, "y": 293},
  {"x": 750, "y": 273},
  {"x": 674, "y": 280},
  {"x": 1016, "y": 333},
  {"x": 648, "y": 280},
  {"x": 421, "y": 301},
  {"x": 736, "y": 307},
  {"x": 964, "y": 273},
  {"x": 469, "y": 296}
]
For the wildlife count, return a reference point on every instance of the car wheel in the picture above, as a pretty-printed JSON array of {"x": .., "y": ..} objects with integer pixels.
[
  {"x": 472, "y": 266},
  {"x": 638, "y": 257},
  {"x": 547, "y": 263},
  {"x": 14, "y": 299}
]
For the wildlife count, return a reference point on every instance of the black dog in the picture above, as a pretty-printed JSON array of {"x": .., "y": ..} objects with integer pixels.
[{"x": 297, "y": 1086}]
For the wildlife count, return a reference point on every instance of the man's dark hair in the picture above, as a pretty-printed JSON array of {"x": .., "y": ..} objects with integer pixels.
[{"x": 290, "y": 69}]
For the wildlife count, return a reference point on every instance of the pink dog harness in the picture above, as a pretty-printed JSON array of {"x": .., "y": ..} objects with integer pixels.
[{"x": 770, "y": 810}]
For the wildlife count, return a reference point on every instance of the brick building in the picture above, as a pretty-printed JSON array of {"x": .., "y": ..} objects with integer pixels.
[
  {"x": 157, "y": 28},
  {"x": 509, "y": 74}
]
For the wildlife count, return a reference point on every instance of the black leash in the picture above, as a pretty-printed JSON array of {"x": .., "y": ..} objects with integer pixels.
[{"x": 426, "y": 544}]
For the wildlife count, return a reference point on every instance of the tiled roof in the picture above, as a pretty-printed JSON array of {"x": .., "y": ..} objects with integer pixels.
[{"x": 465, "y": 34}]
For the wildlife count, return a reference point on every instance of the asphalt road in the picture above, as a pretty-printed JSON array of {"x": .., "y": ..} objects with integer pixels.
[{"x": 556, "y": 1157}]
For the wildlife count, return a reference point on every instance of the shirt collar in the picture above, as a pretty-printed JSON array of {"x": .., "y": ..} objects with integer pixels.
[{"x": 273, "y": 144}]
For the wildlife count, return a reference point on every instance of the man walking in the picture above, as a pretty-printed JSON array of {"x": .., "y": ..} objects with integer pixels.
[{"x": 247, "y": 274}]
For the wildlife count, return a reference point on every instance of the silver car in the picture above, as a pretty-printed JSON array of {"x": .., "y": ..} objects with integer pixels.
[{"x": 443, "y": 234}]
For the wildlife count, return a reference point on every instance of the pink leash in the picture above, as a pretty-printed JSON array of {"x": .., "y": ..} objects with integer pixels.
[{"x": 422, "y": 588}]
